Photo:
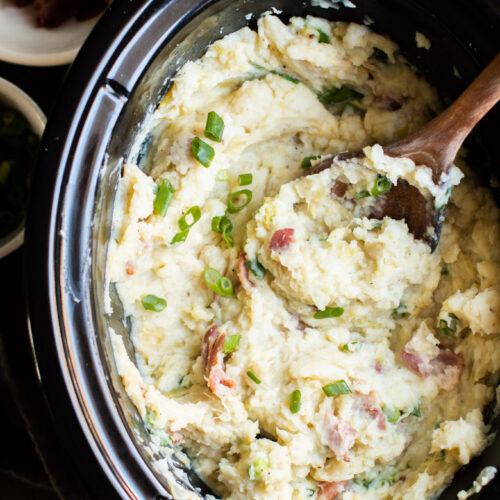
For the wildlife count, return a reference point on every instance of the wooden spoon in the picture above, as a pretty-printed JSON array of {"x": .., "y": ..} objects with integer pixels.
[{"x": 434, "y": 145}]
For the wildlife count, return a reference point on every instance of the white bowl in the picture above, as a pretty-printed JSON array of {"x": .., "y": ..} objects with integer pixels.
[
  {"x": 14, "y": 98},
  {"x": 23, "y": 42}
]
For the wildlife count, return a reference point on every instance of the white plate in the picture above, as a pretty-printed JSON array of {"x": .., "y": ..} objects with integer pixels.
[
  {"x": 15, "y": 98},
  {"x": 23, "y": 42}
]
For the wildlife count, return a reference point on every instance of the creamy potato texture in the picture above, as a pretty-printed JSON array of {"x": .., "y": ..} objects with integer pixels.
[{"x": 340, "y": 357}]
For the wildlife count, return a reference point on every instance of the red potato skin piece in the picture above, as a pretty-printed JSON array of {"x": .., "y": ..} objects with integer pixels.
[
  {"x": 388, "y": 102},
  {"x": 213, "y": 343},
  {"x": 246, "y": 282},
  {"x": 439, "y": 366},
  {"x": 282, "y": 239},
  {"x": 338, "y": 189},
  {"x": 340, "y": 436},
  {"x": 370, "y": 405},
  {"x": 331, "y": 490}
]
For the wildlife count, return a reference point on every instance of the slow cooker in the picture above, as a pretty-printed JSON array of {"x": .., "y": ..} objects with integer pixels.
[{"x": 117, "y": 80}]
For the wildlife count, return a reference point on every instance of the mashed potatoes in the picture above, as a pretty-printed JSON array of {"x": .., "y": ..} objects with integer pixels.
[{"x": 294, "y": 346}]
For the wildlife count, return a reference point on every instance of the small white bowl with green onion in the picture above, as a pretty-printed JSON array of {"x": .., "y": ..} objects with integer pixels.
[{"x": 16, "y": 108}]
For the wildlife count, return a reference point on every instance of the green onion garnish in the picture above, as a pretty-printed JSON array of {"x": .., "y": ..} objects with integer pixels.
[
  {"x": 195, "y": 214},
  {"x": 306, "y": 162},
  {"x": 222, "y": 175},
  {"x": 257, "y": 468},
  {"x": 445, "y": 270},
  {"x": 286, "y": 77},
  {"x": 231, "y": 343},
  {"x": 202, "y": 151},
  {"x": 339, "y": 95},
  {"x": 153, "y": 303},
  {"x": 295, "y": 401},
  {"x": 179, "y": 237},
  {"x": 163, "y": 197},
  {"x": 322, "y": 36},
  {"x": 446, "y": 327},
  {"x": 377, "y": 225},
  {"x": 361, "y": 194},
  {"x": 336, "y": 388},
  {"x": 391, "y": 412},
  {"x": 256, "y": 267},
  {"x": 253, "y": 377},
  {"x": 381, "y": 185},
  {"x": 214, "y": 127},
  {"x": 352, "y": 346},
  {"x": 416, "y": 411},
  {"x": 400, "y": 310},
  {"x": 380, "y": 55},
  {"x": 245, "y": 179},
  {"x": 219, "y": 284},
  {"x": 311, "y": 492},
  {"x": 223, "y": 224},
  {"x": 329, "y": 312},
  {"x": 232, "y": 208}
]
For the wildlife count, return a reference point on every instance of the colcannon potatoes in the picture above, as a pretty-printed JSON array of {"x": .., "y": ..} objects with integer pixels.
[{"x": 292, "y": 346}]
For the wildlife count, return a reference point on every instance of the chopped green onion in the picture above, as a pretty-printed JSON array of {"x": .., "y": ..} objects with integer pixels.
[
  {"x": 306, "y": 162},
  {"x": 195, "y": 213},
  {"x": 295, "y": 401},
  {"x": 381, "y": 185},
  {"x": 223, "y": 224},
  {"x": 163, "y": 197},
  {"x": 400, "y": 310},
  {"x": 214, "y": 127},
  {"x": 219, "y": 284},
  {"x": 311, "y": 492},
  {"x": 153, "y": 303},
  {"x": 231, "y": 207},
  {"x": 245, "y": 179},
  {"x": 446, "y": 327},
  {"x": 256, "y": 267},
  {"x": 222, "y": 175},
  {"x": 231, "y": 343},
  {"x": 257, "y": 66},
  {"x": 257, "y": 468},
  {"x": 253, "y": 377},
  {"x": 391, "y": 412},
  {"x": 339, "y": 95},
  {"x": 361, "y": 194},
  {"x": 416, "y": 411},
  {"x": 202, "y": 151},
  {"x": 322, "y": 36},
  {"x": 329, "y": 312},
  {"x": 445, "y": 270},
  {"x": 352, "y": 346},
  {"x": 380, "y": 55},
  {"x": 179, "y": 237},
  {"x": 286, "y": 77},
  {"x": 377, "y": 225},
  {"x": 336, "y": 388}
]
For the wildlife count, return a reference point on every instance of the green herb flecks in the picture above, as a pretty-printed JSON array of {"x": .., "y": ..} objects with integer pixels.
[
  {"x": 448, "y": 327},
  {"x": 221, "y": 285},
  {"x": 416, "y": 411},
  {"x": 222, "y": 175},
  {"x": 253, "y": 377},
  {"x": 354, "y": 346},
  {"x": 238, "y": 200},
  {"x": 245, "y": 179},
  {"x": 329, "y": 312},
  {"x": 400, "y": 310},
  {"x": 257, "y": 469},
  {"x": 295, "y": 401},
  {"x": 361, "y": 194},
  {"x": 340, "y": 94},
  {"x": 153, "y": 303},
  {"x": 202, "y": 151},
  {"x": 307, "y": 161},
  {"x": 185, "y": 223},
  {"x": 222, "y": 224},
  {"x": 231, "y": 343},
  {"x": 391, "y": 413},
  {"x": 256, "y": 267},
  {"x": 381, "y": 185},
  {"x": 214, "y": 127},
  {"x": 163, "y": 197},
  {"x": 337, "y": 388},
  {"x": 322, "y": 36}
]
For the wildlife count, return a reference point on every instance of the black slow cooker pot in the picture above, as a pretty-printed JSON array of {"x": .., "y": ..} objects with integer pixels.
[{"x": 118, "y": 78}]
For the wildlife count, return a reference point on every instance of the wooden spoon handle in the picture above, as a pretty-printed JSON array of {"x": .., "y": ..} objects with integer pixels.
[{"x": 437, "y": 143}]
